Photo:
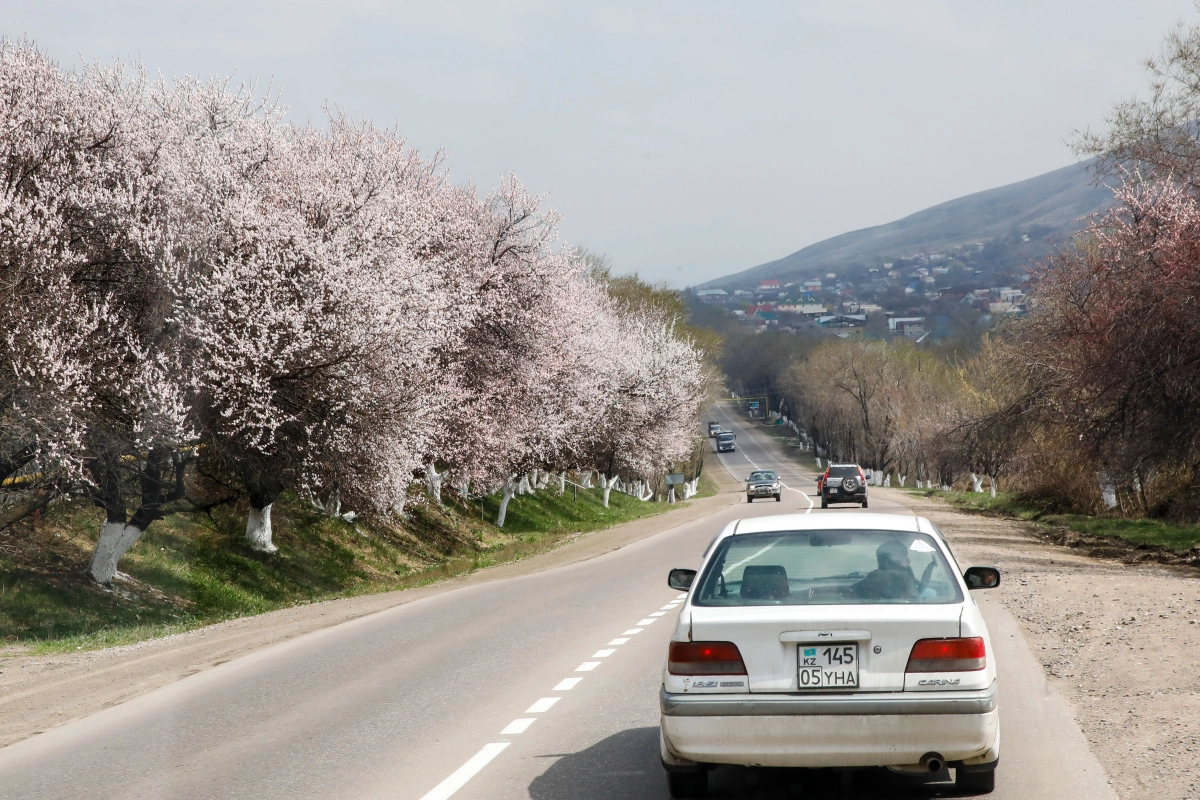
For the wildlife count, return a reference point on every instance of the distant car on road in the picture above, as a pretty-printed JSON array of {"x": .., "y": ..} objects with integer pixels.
[
  {"x": 725, "y": 442},
  {"x": 714, "y": 428},
  {"x": 830, "y": 641},
  {"x": 843, "y": 483},
  {"x": 763, "y": 483}
]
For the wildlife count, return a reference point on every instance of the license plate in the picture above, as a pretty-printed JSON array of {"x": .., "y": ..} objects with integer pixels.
[{"x": 827, "y": 666}]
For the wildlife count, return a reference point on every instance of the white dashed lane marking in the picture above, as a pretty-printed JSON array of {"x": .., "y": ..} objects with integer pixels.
[
  {"x": 542, "y": 705},
  {"x": 518, "y": 726},
  {"x": 460, "y": 776}
]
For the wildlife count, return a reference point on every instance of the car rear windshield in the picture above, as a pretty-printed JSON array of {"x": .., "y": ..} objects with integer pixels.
[
  {"x": 839, "y": 567},
  {"x": 843, "y": 472},
  {"x": 762, "y": 476},
  {"x": 724, "y": 437}
]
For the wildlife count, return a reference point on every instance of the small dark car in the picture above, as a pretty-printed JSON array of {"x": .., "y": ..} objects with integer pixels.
[
  {"x": 714, "y": 428},
  {"x": 844, "y": 483}
]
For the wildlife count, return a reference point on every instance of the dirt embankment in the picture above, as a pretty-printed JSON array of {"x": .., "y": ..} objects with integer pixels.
[{"x": 1120, "y": 640}]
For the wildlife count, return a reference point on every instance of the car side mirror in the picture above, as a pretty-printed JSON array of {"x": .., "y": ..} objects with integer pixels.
[
  {"x": 681, "y": 579},
  {"x": 982, "y": 577}
]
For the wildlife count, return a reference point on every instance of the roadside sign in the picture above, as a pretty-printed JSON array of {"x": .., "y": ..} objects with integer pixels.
[
  {"x": 754, "y": 404},
  {"x": 675, "y": 477}
]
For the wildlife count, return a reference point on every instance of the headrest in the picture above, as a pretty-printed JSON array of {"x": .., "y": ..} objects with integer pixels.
[{"x": 764, "y": 582}]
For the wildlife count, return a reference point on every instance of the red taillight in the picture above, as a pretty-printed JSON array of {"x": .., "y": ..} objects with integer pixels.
[
  {"x": 705, "y": 658},
  {"x": 947, "y": 655}
]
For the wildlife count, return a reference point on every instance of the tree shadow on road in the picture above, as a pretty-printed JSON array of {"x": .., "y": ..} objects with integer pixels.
[{"x": 626, "y": 765}]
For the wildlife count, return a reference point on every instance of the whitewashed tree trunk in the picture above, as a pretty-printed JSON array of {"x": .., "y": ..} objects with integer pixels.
[
  {"x": 671, "y": 495},
  {"x": 1108, "y": 493},
  {"x": 901, "y": 479},
  {"x": 510, "y": 488},
  {"x": 258, "y": 529},
  {"x": 562, "y": 483},
  {"x": 534, "y": 477},
  {"x": 976, "y": 483},
  {"x": 523, "y": 485},
  {"x": 992, "y": 484},
  {"x": 606, "y": 484},
  {"x": 433, "y": 482},
  {"x": 818, "y": 462},
  {"x": 543, "y": 481},
  {"x": 115, "y": 540},
  {"x": 585, "y": 479},
  {"x": 887, "y": 481}
]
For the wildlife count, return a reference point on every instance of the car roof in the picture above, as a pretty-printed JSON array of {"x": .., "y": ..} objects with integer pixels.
[{"x": 834, "y": 521}]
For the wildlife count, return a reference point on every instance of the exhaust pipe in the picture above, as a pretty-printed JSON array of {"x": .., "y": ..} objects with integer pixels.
[{"x": 933, "y": 762}]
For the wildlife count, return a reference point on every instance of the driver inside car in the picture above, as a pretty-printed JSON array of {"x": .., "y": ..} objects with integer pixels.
[{"x": 894, "y": 580}]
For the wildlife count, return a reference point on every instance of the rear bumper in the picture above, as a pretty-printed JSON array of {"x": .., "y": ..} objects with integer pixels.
[{"x": 866, "y": 730}]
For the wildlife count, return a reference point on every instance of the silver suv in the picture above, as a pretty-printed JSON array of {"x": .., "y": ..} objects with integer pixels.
[{"x": 762, "y": 483}]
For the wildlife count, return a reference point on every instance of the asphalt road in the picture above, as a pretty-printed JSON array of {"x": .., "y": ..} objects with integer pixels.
[{"x": 543, "y": 686}]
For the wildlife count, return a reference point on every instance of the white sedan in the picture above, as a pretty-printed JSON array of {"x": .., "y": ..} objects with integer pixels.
[{"x": 830, "y": 640}]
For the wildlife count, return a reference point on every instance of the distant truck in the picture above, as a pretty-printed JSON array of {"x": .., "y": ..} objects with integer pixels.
[{"x": 725, "y": 442}]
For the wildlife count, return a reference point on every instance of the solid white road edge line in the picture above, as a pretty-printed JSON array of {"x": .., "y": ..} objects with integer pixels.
[
  {"x": 542, "y": 705},
  {"x": 566, "y": 684},
  {"x": 460, "y": 776},
  {"x": 518, "y": 726}
]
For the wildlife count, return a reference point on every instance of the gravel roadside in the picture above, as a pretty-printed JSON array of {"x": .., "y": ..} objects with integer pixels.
[{"x": 1120, "y": 642}]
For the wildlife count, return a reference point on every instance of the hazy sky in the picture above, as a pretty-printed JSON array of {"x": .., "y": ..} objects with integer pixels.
[{"x": 686, "y": 140}]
